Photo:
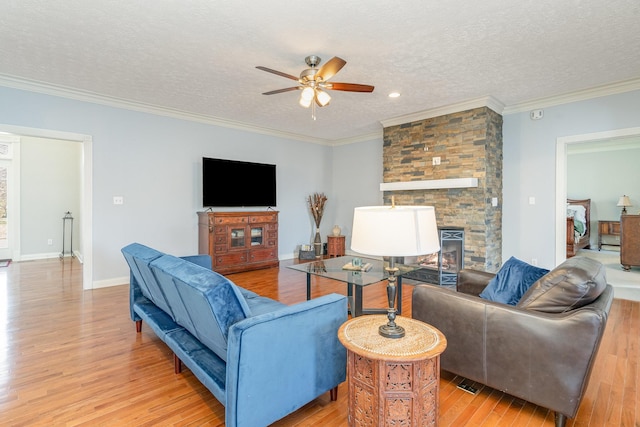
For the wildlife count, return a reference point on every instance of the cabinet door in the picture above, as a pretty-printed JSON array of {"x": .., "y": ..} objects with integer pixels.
[
  {"x": 257, "y": 235},
  {"x": 237, "y": 237}
]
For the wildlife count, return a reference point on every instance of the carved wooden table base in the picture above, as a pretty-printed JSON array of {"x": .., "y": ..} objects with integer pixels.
[{"x": 392, "y": 382}]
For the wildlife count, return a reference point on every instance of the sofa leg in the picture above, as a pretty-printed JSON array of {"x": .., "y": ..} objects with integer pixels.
[
  {"x": 138, "y": 325},
  {"x": 334, "y": 393},
  {"x": 561, "y": 419},
  {"x": 177, "y": 364}
]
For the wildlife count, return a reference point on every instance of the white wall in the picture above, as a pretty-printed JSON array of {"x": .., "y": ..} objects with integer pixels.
[
  {"x": 357, "y": 174},
  {"x": 49, "y": 187},
  {"x": 154, "y": 163},
  {"x": 529, "y": 231}
]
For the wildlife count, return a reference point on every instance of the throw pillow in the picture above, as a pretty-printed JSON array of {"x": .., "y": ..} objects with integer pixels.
[
  {"x": 512, "y": 281},
  {"x": 576, "y": 282}
]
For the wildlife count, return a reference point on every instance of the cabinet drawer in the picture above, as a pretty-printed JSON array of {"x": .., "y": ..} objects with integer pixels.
[
  {"x": 231, "y": 259},
  {"x": 220, "y": 239},
  {"x": 271, "y": 243},
  {"x": 262, "y": 255},
  {"x": 219, "y": 229},
  {"x": 231, "y": 220},
  {"x": 220, "y": 249},
  {"x": 262, "y": 218}
]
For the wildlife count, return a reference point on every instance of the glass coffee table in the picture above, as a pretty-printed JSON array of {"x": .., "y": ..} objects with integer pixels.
[{"x": 331, "y": 268}]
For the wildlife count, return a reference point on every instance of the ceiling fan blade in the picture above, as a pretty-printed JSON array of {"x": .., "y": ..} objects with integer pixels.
[
  {"x": 330, "y": 69},
  {"x": 279, "y": 73},
  {"x": 350, "y": 87},
  {"x": 289, "y": 89}
]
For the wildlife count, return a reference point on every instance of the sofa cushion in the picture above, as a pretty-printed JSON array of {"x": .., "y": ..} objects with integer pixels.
[
  {"x": 576, "y": 282},
  {"x": 139, "y": 257},
  {"x": 512, "y": 281},
  {"x": 204, "y": 302}
]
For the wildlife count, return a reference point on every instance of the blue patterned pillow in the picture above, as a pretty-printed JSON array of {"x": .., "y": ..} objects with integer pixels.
[{"x": 512, "y": 281}]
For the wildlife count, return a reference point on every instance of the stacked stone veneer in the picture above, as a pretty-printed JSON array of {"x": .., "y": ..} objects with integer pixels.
[{"x": 469, "y": 144}]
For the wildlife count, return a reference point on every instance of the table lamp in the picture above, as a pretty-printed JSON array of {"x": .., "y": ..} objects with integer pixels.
[
  {"x": 624, "y": 202},
  {"x": 394, "y": 231}
]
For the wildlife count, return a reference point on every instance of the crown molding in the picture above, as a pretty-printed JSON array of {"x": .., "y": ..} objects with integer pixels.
[
  {"x": 360, "y": 138},
  {"x": 582, "y": 95},
  {"x": 487, "y": 101},
  {"x": 95, "y": 98}
]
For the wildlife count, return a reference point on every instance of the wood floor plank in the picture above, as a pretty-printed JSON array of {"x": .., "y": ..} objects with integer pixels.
[{"x": 72, "y": 357}]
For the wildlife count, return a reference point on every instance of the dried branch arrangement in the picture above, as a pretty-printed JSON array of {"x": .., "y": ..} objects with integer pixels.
[{"x": 316, "y": 204}]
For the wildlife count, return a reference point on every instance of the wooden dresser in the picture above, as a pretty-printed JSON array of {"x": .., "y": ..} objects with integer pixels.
[
  {"x": 239, "y": 241},
  {"x": 629, "y": 241}
]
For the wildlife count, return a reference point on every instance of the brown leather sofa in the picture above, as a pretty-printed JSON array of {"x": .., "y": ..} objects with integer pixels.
[{"x": 541, "y": 350}]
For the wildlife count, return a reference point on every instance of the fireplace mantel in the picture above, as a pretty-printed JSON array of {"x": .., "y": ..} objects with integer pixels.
[{"x": 430, "y": 184}]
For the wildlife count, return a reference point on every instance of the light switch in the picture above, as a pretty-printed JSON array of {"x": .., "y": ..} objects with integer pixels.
[{"x": 532, "y": 200}]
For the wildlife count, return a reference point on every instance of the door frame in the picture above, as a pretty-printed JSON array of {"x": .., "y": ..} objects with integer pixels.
[
  {"x": 13, "y": 195},
  {"x": 561, "y": 178},
  {"x": 86, "y": 196}
]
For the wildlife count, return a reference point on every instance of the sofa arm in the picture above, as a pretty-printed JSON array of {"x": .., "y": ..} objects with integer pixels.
[
  {"x": 279, "y": 361},
  {"x": 473, "y": 282}
]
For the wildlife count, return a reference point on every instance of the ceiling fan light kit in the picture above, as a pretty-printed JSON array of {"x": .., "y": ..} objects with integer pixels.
[{"x": 313, "y": 82}]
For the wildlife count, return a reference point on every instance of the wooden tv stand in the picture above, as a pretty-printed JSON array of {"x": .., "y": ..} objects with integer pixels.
[{"x": 239, "y": 241}]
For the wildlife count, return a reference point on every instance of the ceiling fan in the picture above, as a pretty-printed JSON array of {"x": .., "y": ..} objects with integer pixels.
[{"x": 314, "y": 82}]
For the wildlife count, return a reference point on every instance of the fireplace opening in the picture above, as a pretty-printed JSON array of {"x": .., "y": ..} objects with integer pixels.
[{"x": 442, "y": 267}]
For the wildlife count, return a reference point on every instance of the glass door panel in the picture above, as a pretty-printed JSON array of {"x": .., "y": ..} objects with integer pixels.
[
  {"x": 257, "y": 236},
  {"x": 237, "y": 238}
]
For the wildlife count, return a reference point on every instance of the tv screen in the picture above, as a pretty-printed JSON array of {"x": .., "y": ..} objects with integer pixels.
[{"x": 232, "y": 183}]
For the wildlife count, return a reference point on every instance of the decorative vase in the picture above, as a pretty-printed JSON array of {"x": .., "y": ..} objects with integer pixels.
[
  {"x": 336, "y": 230},
  {"x": 317, "y": 244}
]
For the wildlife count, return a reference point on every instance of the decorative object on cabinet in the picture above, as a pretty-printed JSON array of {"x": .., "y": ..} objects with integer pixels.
[
  {"x": 624, "y": 202},
  {"x": 335, "y": 246},
  {"x": 316, "y": 205},
  {"x": 239, "y": 241},
  {"x": 608, "y": 228},
  {"x": 336, "y": 230},
  {"x": 394, "y": 231},
  {"x": 578, "y": 225},
  {"x": 629, "y": 241}
]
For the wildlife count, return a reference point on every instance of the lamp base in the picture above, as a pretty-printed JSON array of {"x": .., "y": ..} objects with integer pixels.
[{"x": 391, "y": 331}]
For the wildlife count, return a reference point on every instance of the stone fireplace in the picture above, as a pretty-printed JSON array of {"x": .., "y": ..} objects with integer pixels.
[{"x": 467, "y": 144}]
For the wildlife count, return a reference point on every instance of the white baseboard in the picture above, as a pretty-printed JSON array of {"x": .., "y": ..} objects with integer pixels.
[{"x": 116, "y": 281}]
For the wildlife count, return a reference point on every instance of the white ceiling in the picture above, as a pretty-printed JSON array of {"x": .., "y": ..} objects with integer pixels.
[{"x": 199, "y": 56}]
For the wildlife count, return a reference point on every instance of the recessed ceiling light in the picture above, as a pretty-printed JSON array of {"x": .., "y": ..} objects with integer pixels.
[{"x": 394, "y": 94}]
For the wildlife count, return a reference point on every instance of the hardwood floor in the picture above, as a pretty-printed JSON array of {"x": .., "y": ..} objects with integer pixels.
[{"x": 72, "y": 357}]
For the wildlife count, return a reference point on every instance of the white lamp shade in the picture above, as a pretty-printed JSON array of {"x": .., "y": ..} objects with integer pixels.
[
  {"x": 395, "y": 231},
  {"x": 624, "y": 201}
]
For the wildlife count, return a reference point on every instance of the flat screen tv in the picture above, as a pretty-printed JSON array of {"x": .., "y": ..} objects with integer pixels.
[{"x": 232, "y": 183}]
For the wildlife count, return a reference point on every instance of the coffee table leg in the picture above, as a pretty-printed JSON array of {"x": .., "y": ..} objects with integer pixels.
[
  {"x": 358, "y": 302},
  {"x": 350, "y": 297},
  {"x": 308, "y": 286}
]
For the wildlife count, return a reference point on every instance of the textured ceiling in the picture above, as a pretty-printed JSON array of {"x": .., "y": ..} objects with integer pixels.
[{"x": 199, "y": 56}]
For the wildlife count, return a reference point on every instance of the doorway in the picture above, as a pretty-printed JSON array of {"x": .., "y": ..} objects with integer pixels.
[
  {"x": 86, "y": 242},
  {"x": 561, "y": 177}
]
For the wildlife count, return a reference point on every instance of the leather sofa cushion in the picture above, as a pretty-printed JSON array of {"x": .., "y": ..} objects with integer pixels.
[
  {"x": 573, "y": 284},
  {"x": 512, "y": 281}
]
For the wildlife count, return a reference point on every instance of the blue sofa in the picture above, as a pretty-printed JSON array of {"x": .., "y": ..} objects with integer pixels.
[{"x": 260, "y": 358}]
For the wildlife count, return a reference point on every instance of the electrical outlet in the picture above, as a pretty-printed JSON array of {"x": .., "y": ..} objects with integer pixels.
[
  {"x": 534, "y": 262},
  {"x": 436, "y": 161},
  {"x": 118, "y": 200},
  {"x": 50, "y": 242}
]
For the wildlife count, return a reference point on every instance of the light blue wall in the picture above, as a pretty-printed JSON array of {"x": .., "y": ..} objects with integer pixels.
[
  {"x": 529, "y": 231},
  {"x": 154, "y": 163},
  {"x": 604, "y": 176}
]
